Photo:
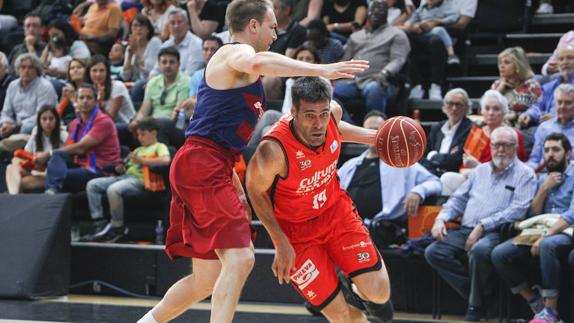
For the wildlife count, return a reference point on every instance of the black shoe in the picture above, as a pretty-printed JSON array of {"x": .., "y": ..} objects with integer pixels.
[
  {"x": 98, "y": 226},
  {"x": 474, "y": 314},
  {"x": 110, "y": 234}
]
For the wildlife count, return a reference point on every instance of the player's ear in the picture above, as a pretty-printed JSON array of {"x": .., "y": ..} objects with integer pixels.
[
  {"x": 253, "y": 25},
  {"x": 293, "y": 110}
]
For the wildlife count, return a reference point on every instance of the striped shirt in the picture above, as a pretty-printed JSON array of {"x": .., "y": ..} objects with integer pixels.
[{"x": 489, "y": 199}]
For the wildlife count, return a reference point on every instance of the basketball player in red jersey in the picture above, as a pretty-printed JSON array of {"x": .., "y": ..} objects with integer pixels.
[
  {"x": 208, "y": 220},
  {"x": 293, "y": 186}
]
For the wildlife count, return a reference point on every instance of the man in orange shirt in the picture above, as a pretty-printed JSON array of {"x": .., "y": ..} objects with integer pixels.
[{"x": 101, "y": 25}]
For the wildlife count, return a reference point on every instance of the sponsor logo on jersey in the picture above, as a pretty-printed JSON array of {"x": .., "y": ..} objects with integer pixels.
[
  {"x": 334, "y": 146},
  {"x": 319, "y": 179},
  {"x": 304, "y": 164},
  {"x": 363, "y": 257},
  {"x": 311, "y": 294},
  {"x": 361, "y": 244},
  {"x": 305, "y": 275},
  {"x": 299, "y": 154}
]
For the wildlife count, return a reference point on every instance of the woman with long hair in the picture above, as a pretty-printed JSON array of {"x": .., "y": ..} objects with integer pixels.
[
  {"x": 62, "y": 29},
  {"x": 516, "y": 81},
  {"x": 75, "y": 76},
  {"x": 113, "y": 96},
  {"x": 142, "y": 50},
  {"x": 27, "y": 172}
]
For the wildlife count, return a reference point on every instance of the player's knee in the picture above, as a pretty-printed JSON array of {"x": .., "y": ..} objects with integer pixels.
[
  {"x": 242, "y": 260},
  {"x": 377, "y": 291}
]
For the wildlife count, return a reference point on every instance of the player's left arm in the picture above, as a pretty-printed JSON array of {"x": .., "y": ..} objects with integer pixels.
[
  {"x": 349, "y": 132},
  {"x": 241, "y": 194}
]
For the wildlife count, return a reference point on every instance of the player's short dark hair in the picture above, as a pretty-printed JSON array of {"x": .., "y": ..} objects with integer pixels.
[
  {"x": 558, "y": 136},
  {"x": 240, "y": 12},
  {"x": 310, "y": 89},
  {"x": 148, "y": 124},
  {"x": 171, "y": 50}
]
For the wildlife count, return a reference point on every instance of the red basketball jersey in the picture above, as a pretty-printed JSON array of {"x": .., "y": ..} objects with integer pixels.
[{"x": 311, "y": 187}]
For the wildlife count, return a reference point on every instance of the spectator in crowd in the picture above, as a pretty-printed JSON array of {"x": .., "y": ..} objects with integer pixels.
[
  {"x": 446, "y": 140},
  {"x": 398, "y": 13},
  {"x": 516, "y": 81},
  {"x": 25, "y": 175},
  {"x": 343, "y": 17},
  {"x": 92, "y": 144},
  {"x": 207, "y": 17},
  {"x": 141, "y": 53},
  {"x": 551, "y": 65},
  {"x": 62, "y": 29},
  {"x": 131, "y": 181},
  {"x": 554, "y": 197},
  {"x": 101, "y": 25},
  {"x": 23, "y": 98},
  {"x": 493, "y": 107},
  {"x": 384, "y": 193},
  {"x": 426, "y": 30},
  {"x": 55, "y": 58},
  {"x": 466, "y": 9},
  {"x": 330, "y": 49},
  {"x": 545, "y": 109},
  {"x": 158, "y": 13},
  {"x": 5, "y": 78},
  {"x": 290, "y": 34},
  {"x": 116, "y": 58},
  {"x": 163, "y": 93},
  {"x": 113, "y": 97},
  {"x": 187, "y": 44},
  {"x": 210, "y": 45},
  {"x": 76, "y": 75},
  {"x": 495, "y": 193},
  {"x": 306, "y": 10},
  {"x": 32, "y": 43},
  {"x": 386, "y": 48},
  {"x": 562, "y": 123}
]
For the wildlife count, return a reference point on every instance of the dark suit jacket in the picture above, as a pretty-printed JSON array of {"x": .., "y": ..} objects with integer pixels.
[{"x": 449, "y": 162}]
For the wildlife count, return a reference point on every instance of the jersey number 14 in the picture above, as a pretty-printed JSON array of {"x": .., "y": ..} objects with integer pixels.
[{"x": 319, "y": 200}]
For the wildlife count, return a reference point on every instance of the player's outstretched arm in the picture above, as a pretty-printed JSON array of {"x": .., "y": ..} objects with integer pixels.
[
  {"x": 268, "y": 162},
  {"x": 349, "y": 132},
  {"x": 246, "y": 60}
]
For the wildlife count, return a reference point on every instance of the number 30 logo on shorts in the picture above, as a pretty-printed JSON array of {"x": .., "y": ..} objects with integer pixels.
[{"x": 305, "y": 275}]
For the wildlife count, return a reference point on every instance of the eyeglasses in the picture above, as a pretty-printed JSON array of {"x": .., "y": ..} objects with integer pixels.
[
  {"x": 32, "y": 25},
  {"x": 505, "y": 145},
  {"x": 451, "y": 104}
]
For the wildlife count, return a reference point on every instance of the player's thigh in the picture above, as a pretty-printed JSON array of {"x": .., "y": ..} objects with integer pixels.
[{"x": 315, "y": 277}]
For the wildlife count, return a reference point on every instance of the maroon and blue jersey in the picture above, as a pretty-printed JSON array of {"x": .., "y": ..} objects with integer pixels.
[{"x": 227, "y": 117}]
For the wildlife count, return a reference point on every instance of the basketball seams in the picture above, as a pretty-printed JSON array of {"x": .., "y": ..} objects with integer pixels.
[
  {"x": 389, "y": 148},
  {"x": 407, "y": 146}
]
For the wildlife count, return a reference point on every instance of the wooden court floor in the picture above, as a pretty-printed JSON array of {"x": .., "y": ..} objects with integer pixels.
[{"x": 96, "y": 309}]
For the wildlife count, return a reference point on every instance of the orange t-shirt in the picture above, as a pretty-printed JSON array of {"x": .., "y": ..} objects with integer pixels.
[{"x": 99, "y": 21}]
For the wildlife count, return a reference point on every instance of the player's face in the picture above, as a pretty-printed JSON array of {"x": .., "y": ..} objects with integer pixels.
[
  {"x": 267, "y": 33},
  {"x": 311, "y": 121}
]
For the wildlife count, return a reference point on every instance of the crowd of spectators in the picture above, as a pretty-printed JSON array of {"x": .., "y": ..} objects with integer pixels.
[{"x": 79, "y": 91}]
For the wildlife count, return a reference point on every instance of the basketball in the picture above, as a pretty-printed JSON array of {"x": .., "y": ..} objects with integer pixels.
[{"x": 401, "y": 142}]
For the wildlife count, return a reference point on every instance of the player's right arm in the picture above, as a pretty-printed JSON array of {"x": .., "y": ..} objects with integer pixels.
[
  {"x": 267, "y": 163},
  {"x": 244, "y": 59}
]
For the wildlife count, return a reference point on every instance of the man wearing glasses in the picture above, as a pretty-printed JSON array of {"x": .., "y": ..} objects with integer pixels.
[
  {"x": 163, "y": 93},
  {"x": 32, "y": 39},
  {"x": 446, "y": 140},
  {"x": 496, "y": 192}
]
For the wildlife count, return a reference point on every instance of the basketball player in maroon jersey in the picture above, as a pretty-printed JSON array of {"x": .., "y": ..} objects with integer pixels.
[{"x": 294, "y": 188}]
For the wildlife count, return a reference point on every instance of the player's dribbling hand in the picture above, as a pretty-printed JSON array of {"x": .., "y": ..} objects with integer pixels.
[
  {"x": 345, "y": 69},
  {"x": 284, "y": 261}
]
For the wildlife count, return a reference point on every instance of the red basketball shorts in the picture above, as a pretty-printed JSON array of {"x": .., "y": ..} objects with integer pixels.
[
  {"x": 337, "y": 239},
  {"x": 205, "y": 212}
]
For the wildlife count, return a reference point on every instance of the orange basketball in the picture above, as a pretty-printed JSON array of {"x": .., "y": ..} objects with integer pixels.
[{"x": 401, "y": 142}]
